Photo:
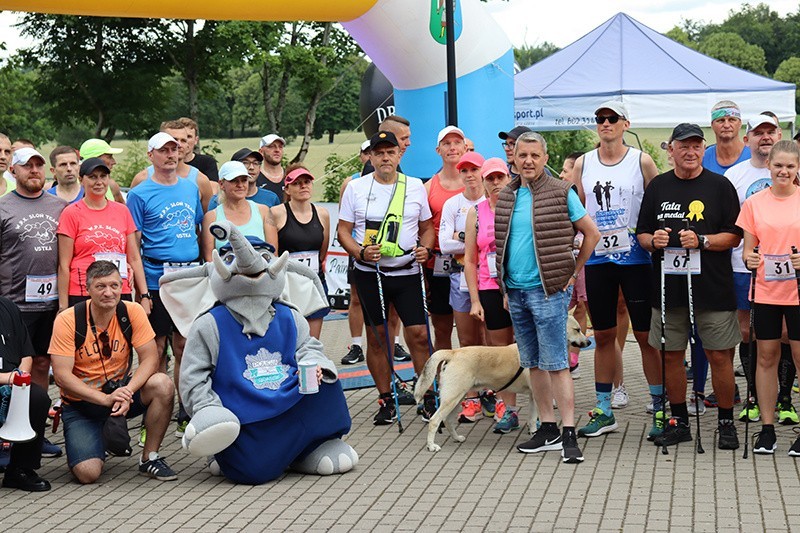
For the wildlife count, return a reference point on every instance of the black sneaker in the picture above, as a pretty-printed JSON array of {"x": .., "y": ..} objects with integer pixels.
[
  {"x": 766, "y": 442},
  {"x": 547, "y": 438},
  {"x": 570, "y": 452},
  {"x": 794, "y": 451},
  {"x": 488, "y": 402},
  {"x": 405, "y": 394},
  {"x": 386, "y": 410},
  {"x": 354, "y": 355},
  {"x": 157, "y": 468},
  {"x": 728, "y": 440},
  {"x": 428, "y": 406},
  {"x": 400, "y": 353},
  {"x": 675, "y": 432}
]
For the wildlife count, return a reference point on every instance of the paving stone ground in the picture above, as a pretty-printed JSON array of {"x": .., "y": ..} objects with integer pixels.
[{"x": 483, "y": 484}]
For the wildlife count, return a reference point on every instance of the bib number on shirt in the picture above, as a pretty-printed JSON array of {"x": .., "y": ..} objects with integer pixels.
[
  {"x": 491, "y": 262},
  {"x": 441, "y": 265},
  {"x": 41, "y": 288},
  {"x": 676, "y": 262},
  {"x": 778, "y": 268},
  {"x": 120, "y": 260},
  {"x": 613, "y": 241},
  {"x": 177, "y": 267},
  {"x": 309, "y": 259}
]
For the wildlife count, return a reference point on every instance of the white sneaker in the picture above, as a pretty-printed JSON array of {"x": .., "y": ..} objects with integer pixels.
[
  {"x": 690, "y": 406},
  {"x": 649, "y": 408},
  {"x": 575, "y": 372},
  {"x": 619, "y": 397}
]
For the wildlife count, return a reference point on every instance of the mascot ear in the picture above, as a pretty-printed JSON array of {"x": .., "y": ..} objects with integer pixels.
[
  {"x": 220, "y": 230},
  {"x": 275, "y": 267},
  {"x": 220, "y": 267}
]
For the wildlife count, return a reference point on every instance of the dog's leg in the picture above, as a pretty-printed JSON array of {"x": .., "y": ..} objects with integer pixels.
[
  {"x": 447, "y": 406},
  {"x": 450, "y": 424},
  {"x": 534, "y": 414}
]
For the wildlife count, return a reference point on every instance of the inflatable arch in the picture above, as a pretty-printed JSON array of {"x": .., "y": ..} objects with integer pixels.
[{"x": 404, "y": 38}]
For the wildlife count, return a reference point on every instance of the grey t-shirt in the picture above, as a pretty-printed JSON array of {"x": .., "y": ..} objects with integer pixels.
[{"x": 29, "y": 250}]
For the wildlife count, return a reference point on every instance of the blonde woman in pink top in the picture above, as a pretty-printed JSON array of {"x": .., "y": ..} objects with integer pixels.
[
  {"x": 481, "y": 277},
  {"x": 771, "y": 221}
]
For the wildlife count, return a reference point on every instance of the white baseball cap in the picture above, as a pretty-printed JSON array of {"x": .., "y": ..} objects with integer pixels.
[
  {"x": 231, "y": 170},
  {"x": 755, "y": 122},
  {"x": 266, "y": 140},
  {"x": 365, "y": 146},
  {"x": 448, "y": 130},
  {"x": 616, "y": 106},
  {"x": 158, "y": 141},
  {"x": 22, "y": 156}
]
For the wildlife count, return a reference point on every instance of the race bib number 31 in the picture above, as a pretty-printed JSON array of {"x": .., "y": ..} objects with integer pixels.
[
  {"x": 778, "y": 268},
  {"x": 676, "y": 262},
  {"x": 41, "y": 288},
  {"x": 613, "y": 241}
]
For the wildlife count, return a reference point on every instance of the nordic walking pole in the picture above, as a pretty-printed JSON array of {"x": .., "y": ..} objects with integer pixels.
[
  {"x": 664, "y": 450},
  {"x": 699, "y": 448},
  {"x": 388, "y": 345},
  {"x": 752, "y": 359},
  {"x": 796, "y": 272}
]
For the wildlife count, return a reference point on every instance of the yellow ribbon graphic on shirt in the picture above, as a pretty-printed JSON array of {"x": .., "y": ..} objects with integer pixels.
[{"x": 696, "y": 210}]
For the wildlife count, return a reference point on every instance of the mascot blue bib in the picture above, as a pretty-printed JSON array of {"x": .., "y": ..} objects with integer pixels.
[{"x": 256, "y": 377}]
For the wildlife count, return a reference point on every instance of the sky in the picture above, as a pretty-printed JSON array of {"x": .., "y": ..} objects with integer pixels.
[{"x": 533, "y": 22}]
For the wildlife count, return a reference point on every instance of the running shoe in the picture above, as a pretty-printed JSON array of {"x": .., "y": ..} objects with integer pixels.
[
  {"x": 786, "y": 413},
  {"x": 428, "y": 406},
  {"x": 794, "y": 451},
  {"x": 676, "y": 431},
  {"x": 547, "y": 438},
  {"x": 499, "y": 410},
  {"x": 400, "y": 353},
  {"x": 619, "y": 397},
  {"x": 701, "y": 406},
  {"x": 711, "y": 399},
  {"x": 471, "y": 411},
  {"x": 766, "y": 442},
  {"x": 142, "y": 436},
  {"x": 386, "y": 410},
  {"x": 575, "y": 372},
  {"x": 599, "y": 423},
  {"x": 570, "y": 452},
  {"x": 489, "y": 403},
  {"x": 157, "y": 468},
  {"x": 180, "y": 429},
  {"x": 508, "y": 423},
  {"x": 405, "y": 394},
  {"x": 726, "y": 435},
  {"x": 51, "y": 450},
  {"x": 354, "y": 355},
  {"x": 751, "y": 411},
  {"x": 658, "y": 426}
]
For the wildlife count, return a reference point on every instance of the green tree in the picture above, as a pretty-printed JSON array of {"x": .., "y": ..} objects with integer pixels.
[
  {"x": 337, "y": 169},
  {"x": 562, "y": 143},
  {"x": 789, "y": 71},
  {"x": 526, "y": 55},
  {"x": 680, "y": 35},
  {"x": 732, "y": 49},
  {"x": 22, "y": 114},
  {"x": 338, "y": 110}
]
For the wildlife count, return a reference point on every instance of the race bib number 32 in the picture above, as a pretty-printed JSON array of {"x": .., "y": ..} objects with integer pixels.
[
  {"x": 41, "y": 288},
  {"x": 676, "y": 262},
  {"x": 613, "y": 241}
]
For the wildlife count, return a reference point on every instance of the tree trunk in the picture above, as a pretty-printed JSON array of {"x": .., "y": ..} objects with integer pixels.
[
  {"x": 331, "y": 133},
  {"x": 311, "y": 114},
  {"x": 283, "y": 88},
  {"x": 109, "y": 136},
  {"x": 267, "y": 98},
  {"x": 190, "y": 70}
]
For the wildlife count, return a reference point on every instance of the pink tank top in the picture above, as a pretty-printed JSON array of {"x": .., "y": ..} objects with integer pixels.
[{"x": 486, "y": 247}]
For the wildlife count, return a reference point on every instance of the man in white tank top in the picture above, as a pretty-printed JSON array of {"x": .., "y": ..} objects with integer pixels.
[{"x": 613, "y": 179}]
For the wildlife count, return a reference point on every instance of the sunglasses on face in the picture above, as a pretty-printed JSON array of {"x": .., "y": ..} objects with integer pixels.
[
  {"x": 613, "y": 119},
  {"x": 105, "y": 343}
]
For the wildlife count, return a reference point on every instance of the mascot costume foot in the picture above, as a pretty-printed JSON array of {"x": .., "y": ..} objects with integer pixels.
[{"x": 239, "y": 377}]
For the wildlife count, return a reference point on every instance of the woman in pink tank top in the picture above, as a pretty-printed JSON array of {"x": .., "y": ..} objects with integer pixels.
[{"x": 480, "y": 272}]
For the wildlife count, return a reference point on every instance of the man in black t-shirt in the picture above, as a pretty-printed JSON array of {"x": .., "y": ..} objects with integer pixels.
[
  {"x": 708, "y": 201},
  {"x": 202, "y": 162},
  {"x": 16, "y": 351}
]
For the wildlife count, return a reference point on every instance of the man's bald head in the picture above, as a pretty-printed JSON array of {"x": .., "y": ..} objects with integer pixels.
[{"x": 401, "y": 128}]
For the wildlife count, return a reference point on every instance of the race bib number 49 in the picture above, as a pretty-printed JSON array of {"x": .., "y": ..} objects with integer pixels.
[
  {"x": 41, "y": 288},
  {"x": 613, "y": 241},
  {"x": 676, "y": 261}
]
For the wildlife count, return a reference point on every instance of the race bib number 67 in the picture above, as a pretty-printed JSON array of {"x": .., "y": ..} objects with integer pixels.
[{"x": 676, "y": 262}]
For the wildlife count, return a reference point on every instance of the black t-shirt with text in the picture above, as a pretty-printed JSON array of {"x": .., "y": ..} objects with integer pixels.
[
  {"x": 15, "y": 343},
  {"x": 711, "y": 205}
]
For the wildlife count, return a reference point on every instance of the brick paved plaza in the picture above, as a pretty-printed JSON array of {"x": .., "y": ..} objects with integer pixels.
[{"x": 483, "y": 484}]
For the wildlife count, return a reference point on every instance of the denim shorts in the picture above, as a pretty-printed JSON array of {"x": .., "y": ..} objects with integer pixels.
[
  {"x": 83, "y": 429},
  {"x": 741, "y": 285},
  {"x": 540, "y": 327},
  {"x": 459, "y": 300}
]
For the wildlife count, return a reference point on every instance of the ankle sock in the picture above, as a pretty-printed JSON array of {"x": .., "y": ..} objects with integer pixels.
[
  {"x": 355, "y": 341},
  {"x": 603, "y": 393},
  {"x": 655, "y": 395},
  {"x": 725, "y": 414}
]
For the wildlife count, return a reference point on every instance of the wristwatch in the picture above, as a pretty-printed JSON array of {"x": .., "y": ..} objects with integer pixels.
[
  {"x": 146, "y": 295},
  {"x": 703, "y": 242},
  {"x": 361, "y": 252},
  {"x": 461, "y": 236}
]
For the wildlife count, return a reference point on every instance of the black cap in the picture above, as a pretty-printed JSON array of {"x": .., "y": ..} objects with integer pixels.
[
  {"x": 382, "y": 137},
  {"x": 514, "y": 133},
  {"x": 91, "y": 164},
  {"x": 241, "y": 155},
  {"x": 685, "y": 131}
]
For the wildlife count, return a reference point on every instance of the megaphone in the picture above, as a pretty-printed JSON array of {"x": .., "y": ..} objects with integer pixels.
[{"x": 17, "y": 427}]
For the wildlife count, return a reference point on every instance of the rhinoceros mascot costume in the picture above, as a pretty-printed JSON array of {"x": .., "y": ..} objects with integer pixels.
[{"x": 239, "y": 377}]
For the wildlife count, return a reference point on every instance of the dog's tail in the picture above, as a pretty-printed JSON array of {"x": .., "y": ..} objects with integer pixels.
[{"x": 429, "y": 372}]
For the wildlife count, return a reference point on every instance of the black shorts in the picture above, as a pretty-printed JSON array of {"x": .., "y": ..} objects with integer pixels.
[
  {"x": 438, "y": 293},
  {"x": 159, "y": 317},
  {"x": 351, "y": 265},
  {"x": 403, "y": 292},
  {"x": 603, "y": 282},
  {"x": 40, "y": 329},
  {"x": 75, "y": 300},
  {"x": 768, "y": 321},
  {"x": 495, "y": 316}
]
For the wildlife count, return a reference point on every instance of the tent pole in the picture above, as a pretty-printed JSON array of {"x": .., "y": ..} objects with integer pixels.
[{"x": 452, "y": 109}]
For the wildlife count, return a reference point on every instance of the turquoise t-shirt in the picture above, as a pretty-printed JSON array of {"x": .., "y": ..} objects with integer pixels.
[{"x": 521, "y": 269}]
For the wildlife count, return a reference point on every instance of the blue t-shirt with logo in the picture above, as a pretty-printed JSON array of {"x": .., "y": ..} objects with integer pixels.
[
  {"x": 167, "y": 216},
  {"x": 521, "y": 269}
]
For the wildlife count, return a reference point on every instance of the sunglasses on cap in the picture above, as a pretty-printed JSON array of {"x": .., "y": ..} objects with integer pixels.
[{"x": 613, "y": 119}]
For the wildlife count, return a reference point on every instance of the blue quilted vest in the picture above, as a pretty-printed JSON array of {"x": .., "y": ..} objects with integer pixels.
[{"x": 256, "y": 377}]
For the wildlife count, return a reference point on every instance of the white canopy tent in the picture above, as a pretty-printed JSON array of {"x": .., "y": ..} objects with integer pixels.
[{"x": 661, "y": 82}]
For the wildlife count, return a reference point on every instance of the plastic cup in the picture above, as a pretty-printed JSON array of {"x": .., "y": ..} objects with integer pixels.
[{"x": 308, "y": 378}]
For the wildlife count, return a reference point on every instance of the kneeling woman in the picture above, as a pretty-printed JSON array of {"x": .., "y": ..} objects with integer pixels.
[{"x": 771, "y": 221}]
